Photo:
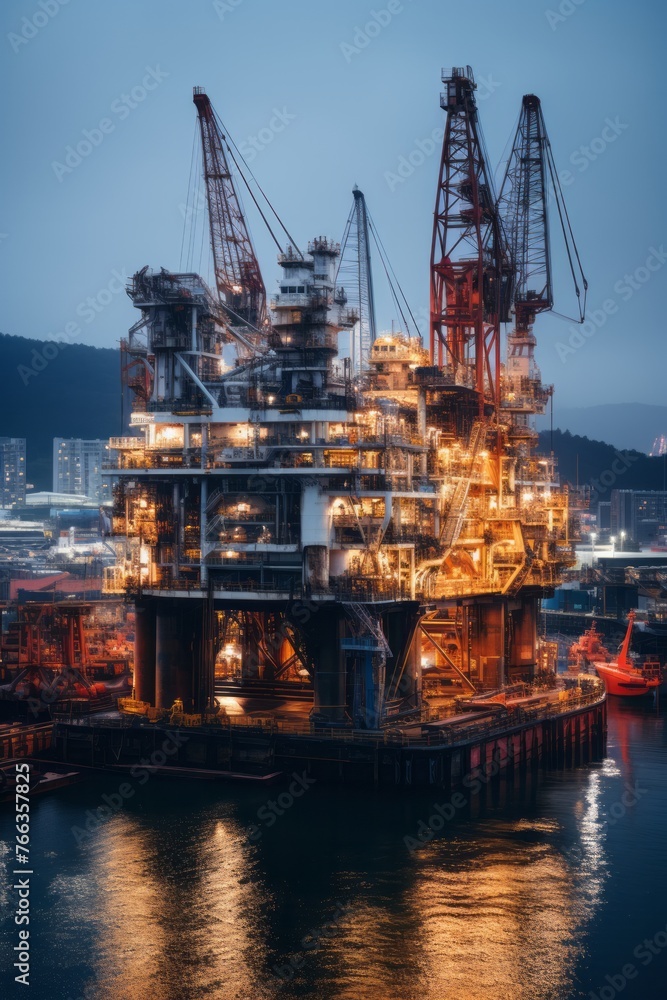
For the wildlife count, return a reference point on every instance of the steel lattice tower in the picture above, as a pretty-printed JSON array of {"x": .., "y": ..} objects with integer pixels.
[{"x": 471, "y": 269}]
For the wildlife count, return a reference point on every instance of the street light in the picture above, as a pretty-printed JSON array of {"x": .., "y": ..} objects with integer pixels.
[{"x": 622, "y": 539}]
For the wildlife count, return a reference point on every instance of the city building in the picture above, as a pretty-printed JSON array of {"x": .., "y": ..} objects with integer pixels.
[
  {"x": 12, "y": 471},
  {"x": 640, "y": 515},
  {"x": 604, "y": 517},
  {"x": 77, "y": 468}
]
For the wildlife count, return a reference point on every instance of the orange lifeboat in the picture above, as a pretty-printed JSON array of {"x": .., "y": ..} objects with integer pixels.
[{"x": 624, "y": 676}]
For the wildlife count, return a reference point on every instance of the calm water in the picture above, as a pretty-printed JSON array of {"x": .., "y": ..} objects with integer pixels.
[{"x": 541, "y": 898}]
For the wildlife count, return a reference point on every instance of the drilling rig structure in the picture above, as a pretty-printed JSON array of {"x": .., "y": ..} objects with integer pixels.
[{"x": 367, "y": 539}]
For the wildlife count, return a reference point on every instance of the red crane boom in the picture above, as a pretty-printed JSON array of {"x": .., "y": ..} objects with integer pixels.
[{"x": 237, "y": 274}]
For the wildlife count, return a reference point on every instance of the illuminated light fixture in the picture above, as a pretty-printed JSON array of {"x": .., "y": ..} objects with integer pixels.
[
  {"x": 270, "y": 399},
  {"x": 527, "y": 496}
]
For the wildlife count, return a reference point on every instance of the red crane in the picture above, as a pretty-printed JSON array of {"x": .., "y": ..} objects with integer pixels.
[
  {"x": 237, "y": 274},
  {"x": 471, "y": 268}
]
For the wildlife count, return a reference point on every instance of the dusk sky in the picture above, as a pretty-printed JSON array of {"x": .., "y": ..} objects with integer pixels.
[{"x": 321, "y": 103}]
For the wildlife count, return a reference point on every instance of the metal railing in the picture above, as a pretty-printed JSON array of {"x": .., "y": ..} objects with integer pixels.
[{"x": 458, "y": 735}]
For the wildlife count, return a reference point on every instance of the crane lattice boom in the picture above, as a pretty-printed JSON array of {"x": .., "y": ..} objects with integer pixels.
[{"x": 237, "y": 273}]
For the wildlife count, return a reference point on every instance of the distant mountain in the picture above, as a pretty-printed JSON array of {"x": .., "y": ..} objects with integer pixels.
[
  {"x": 56, "y": 390},
  {"x": 625, "y": 425},
  {"x": 603, "y": 467}
]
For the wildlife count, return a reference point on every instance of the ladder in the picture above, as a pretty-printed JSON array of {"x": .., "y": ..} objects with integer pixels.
[
  {"x": 451, "y": 529},
  {"x": 367, "y": 625}
]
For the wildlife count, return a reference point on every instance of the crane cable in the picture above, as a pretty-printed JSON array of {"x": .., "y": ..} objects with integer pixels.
[
  {"x": 187, "y": 200},
  {"x": 228, "y": 139},
  {"x": 385, "y": 256},
  {"x": 562, "y": 210}
]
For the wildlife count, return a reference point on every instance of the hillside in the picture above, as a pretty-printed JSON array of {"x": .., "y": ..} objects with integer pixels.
[
  {"x": 588, "y": 462},
  {"x": 56, "y": 390},
  {"x": 628, "y": 425}
]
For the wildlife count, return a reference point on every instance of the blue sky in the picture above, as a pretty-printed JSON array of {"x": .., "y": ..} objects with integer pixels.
[{"x": 351, "y": 104}]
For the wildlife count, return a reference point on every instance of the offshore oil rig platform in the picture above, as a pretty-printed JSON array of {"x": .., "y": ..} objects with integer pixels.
[{"x": 352, "y": 549}]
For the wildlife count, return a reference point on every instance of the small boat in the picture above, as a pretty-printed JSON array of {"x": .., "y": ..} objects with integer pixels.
[
  {"x": 40, "y": 779},
  {"x": 625, "y": 676},
  {"x": 587, "y": 650}
]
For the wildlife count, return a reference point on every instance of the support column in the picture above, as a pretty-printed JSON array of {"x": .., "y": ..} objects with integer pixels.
[
  {"x": 404, "y": 638},
  {"x": 144, "y": 651},
  {"x": 315, "y": 531},
  {"x": 523, "y": 646},
  {"x": 323, "y": 635},
  {"x": 488, "y": 641},
  {"x": 178, "y": 629},
  {"x": 203, "y": 499}
]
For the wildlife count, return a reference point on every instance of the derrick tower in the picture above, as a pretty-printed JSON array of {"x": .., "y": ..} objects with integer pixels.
[{"x": 471, "y": 269}]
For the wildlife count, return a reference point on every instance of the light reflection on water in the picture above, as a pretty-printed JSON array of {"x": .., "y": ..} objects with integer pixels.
[{"x": 538, "y": 898}]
